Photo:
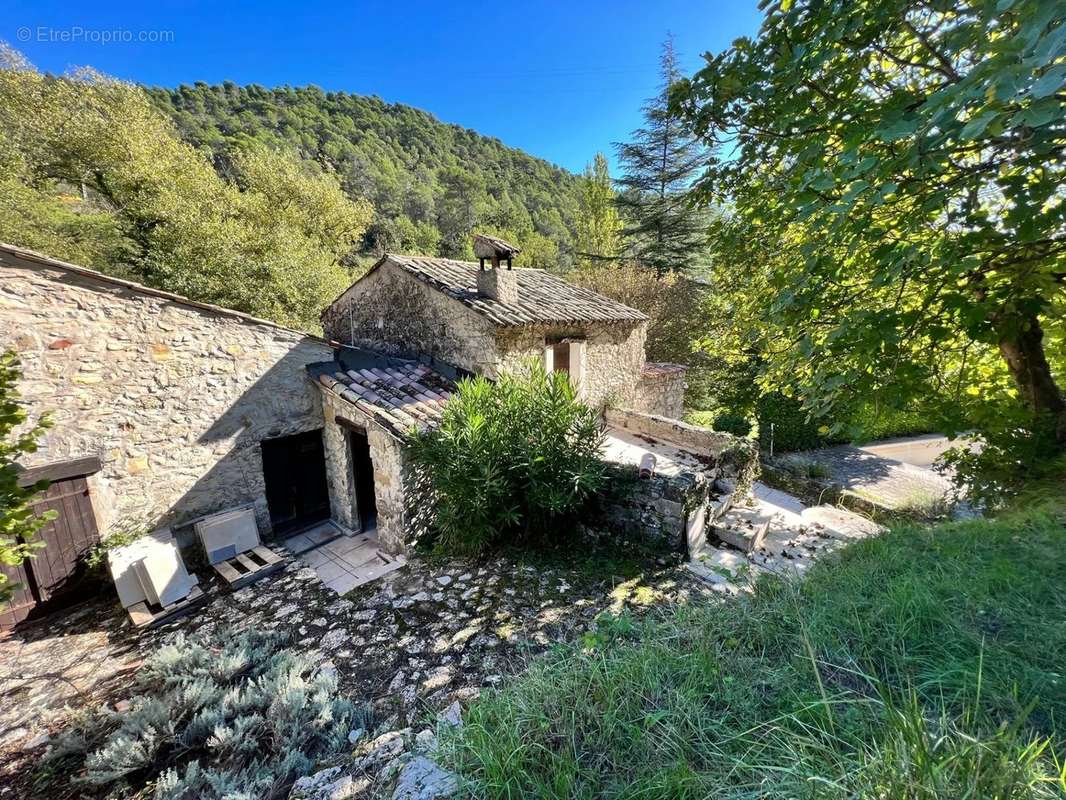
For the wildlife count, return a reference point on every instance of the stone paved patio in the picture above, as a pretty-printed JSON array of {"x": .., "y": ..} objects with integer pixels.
[
  {"x": 346, "y": 563},
  {"x": 406, "y": 646}
]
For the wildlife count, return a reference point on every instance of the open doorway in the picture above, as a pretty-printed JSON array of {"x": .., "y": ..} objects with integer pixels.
[
  {"x": 294, "y": 469},
  {"x": 363, "y": 468},
  {"x": 561, "y": 357}
]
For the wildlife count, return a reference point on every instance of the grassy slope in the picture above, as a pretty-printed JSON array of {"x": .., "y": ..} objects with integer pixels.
[{"x": 940, "y": 660}]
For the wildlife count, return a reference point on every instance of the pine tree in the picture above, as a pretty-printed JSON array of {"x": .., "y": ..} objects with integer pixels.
[
  {"x": 661, "y": 228},
  {"x": 599, "y": 227}
]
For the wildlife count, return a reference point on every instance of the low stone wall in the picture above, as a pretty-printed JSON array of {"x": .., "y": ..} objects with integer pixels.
[
  {"x": 661, "y": 394},
  {"x": 735, "y": 458},
  {"x": 664, "y": 512}
]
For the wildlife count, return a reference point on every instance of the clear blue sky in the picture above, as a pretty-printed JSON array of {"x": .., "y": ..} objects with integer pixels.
[{"x": 558, "y": 78}]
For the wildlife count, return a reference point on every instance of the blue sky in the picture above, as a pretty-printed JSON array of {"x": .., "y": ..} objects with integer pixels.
[{"x": 558, "y": 79}]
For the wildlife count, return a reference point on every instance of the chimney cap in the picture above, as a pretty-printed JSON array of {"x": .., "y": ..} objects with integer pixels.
[{"x": 492, "y": 247}]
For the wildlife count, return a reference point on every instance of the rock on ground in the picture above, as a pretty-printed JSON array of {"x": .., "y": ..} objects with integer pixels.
[{"x": 421, "y": 779}]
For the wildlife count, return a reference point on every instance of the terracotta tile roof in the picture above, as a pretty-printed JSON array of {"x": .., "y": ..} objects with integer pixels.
[
  {"x": 542, "y": 297},
  {"x": 399, "y": 397},
  {"x": 660, "y": 369}
]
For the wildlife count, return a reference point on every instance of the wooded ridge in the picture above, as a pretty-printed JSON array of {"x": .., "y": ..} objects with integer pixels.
[{"x": 429, "y": 181}]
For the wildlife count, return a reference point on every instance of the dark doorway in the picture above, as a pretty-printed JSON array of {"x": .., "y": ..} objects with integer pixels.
[
  {"x": 294, "y": 469},
  {"x": 56, "y": 575},
  {"x": 363, "y": 467},
  {"x": 561, "y": 357}
]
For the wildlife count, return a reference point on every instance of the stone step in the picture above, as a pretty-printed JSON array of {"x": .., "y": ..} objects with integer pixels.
[
  {"x": 704, "y": 518},
  {"x": 719, "y": 506},
  {"x": 725, "y": 571},
  {"x": 777, "y": 534},
  {"x": 841, "y": 523},
  {"x": 743, "y": 528}
]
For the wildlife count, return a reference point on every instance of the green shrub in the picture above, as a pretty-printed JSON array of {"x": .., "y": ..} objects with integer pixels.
[
  {"x": 871, "y": 424},
  {"x": 1010, "y": 459},
  {"x": 704, "y": 418},
  {"x": 736, "y": 424},
  {"x": 18, "y": 522},
  {"x": 511, "y": 458},
  {"x": 783, "y": 423},
  {"x": 235, "y": 717}
]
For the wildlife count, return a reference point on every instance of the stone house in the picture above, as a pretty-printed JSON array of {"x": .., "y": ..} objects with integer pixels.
[
  {"x": 434, "y": 319},
  {"x": 165, "y": 409},
  {"x": 486, "y": 319}
]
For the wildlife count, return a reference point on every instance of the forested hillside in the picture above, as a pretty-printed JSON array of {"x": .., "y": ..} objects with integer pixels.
[{"x": 430, "y": 183}]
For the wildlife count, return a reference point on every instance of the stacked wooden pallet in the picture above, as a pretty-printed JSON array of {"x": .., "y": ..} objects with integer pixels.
[{"x": 249, "y": 566}]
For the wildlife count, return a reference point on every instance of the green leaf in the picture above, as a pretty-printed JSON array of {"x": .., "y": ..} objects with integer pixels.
[
  {"x": 900, "y": 129},
  {"x": 976, "y": 126},
  {"x": 1050, "y": 82}
]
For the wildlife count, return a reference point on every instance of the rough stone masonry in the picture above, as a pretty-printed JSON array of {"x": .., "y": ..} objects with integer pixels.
[{"x": 174, "y": 397}]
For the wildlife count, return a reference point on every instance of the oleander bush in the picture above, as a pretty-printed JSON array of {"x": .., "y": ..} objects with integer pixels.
[
  {"x": 231, "y": 717},
  {"x": 514, "y": 459}
]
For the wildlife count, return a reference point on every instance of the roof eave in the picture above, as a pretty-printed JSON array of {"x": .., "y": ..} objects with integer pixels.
[{"x": 35, "y": 259}]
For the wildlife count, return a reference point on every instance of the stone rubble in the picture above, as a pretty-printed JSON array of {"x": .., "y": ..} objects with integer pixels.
[
  {"x": 405, "y": 648},
  {"x": 422, "y": 779},
  {"x": 795, "y": 537}
]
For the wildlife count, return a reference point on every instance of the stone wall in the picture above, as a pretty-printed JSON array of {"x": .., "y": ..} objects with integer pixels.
[
  {"x": 174, "y": 398},
  {"x": 666, "y": 512},
  {"x": 660, "y": 394},
  {"x": 736, "y": 458},
  {"x": 404, "y": 511},
  {"x": 393, "y": 312},
  {"x": 614, "y": 355}
]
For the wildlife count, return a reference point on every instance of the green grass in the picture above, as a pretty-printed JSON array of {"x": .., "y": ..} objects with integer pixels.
[{"x": 927, "y": 663}]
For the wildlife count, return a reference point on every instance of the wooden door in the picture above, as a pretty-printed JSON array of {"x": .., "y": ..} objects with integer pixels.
[
  {"x": 58, "y": 567},
  {"x": 294, "y": 471},
  {"x": 22, "y": 601},
  {"x": 68, "y": 538}
]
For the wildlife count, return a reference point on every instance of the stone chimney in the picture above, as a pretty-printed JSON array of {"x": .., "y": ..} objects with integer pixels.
[{"x": 497, "y": 282}]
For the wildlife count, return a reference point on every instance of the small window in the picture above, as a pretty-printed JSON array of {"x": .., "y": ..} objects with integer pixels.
[{"x": 561, "y": 357}]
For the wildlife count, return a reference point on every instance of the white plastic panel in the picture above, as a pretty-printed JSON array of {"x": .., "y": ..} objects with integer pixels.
[
  {"x": 226, "y": 534},
  {"x": 138, "y": 585}
]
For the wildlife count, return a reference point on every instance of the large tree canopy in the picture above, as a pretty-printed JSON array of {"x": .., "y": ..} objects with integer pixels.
[
  {"x": 409, "y": 164},
  {"x": 895, "y": 171},
  {"x": 599, "y": 228},
  {"x": 90, "y": 170}
]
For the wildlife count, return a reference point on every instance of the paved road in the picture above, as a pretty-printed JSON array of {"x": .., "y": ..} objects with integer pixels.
[
  {"x": 893, "y": 474},
  {"x": 918, "y": 451}
]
